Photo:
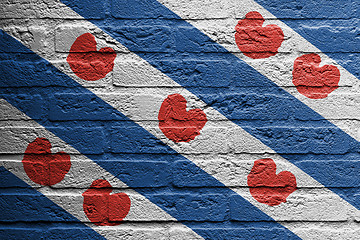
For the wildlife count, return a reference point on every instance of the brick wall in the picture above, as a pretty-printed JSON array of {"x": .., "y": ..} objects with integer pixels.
[{"x": 193, "y": 185}]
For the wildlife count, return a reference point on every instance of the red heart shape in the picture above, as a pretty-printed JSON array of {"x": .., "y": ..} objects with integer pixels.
[
  {"x": 268, "y": 187},
  {"x": 256, "y": 41},
  {"x": 44, "y": 167},
  {"x": 176, "y": 123},
  {"x": 104, "y": 209},
  {"x": 313, "y": 81},
  {"x": 88, "y": 63}
]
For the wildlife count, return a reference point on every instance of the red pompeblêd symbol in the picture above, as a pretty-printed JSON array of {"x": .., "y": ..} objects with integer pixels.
[
  {"x": 313, "y": 81},
  {"x": 104, "y": 209},
  {"x": 256, "y": 41},
  {"x": 176, "y": 123},
  {"x": 268, "y": 187},
  {"x": 88, "y": 63},
  {"x": 44, "y": 167}
]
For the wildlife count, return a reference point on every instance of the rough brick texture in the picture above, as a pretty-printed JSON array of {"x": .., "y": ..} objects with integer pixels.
[{"x": 136, "y": 89}]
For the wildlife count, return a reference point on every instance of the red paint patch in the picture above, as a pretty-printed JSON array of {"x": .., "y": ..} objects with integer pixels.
[
  {"x": 104, "y": 209},
  {"x": 256, "y": 41},
  {"x": 313, "y": 81},
  {"x": 268, "y": 187},
  {"x": 88, "y": 63},
  {"x": 44, "y": 167},
  {"x": 176, "y": 123}
]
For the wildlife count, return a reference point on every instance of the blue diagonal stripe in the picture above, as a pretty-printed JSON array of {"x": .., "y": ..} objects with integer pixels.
[
  {"x": 30, "y": 84},
  {"x": 233, "y": 88}
]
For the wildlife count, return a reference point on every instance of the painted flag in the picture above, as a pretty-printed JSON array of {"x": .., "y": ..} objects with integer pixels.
[{"x": 179, "y": 120}]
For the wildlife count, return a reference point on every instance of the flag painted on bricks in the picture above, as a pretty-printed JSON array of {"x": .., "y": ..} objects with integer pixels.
[{"x": 177, "y": 120}]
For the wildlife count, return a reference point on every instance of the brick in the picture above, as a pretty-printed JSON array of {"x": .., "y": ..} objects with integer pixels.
[
  {"x": 126, "y": 9},
  {"x": 200, "y": 9},
  {"x": 14, "y": 233},
  {"x": 136, "y": 73},
  {"x": 79, "y": 137},
  {"x": 37, "y": 73},
  {"x": 301, "y": 205},
  {"x": 140, "y": 173},
  {"x": 133, "y": 140},
  {"x": 80, "y": 107},
  {"x": 146, "y": 38},
  {"x": 9, "y": 112},
  {"x": 333, "y": 233},
  {"x": 16, "y": 138},
  {"x": 265, "y": 232},
  {"x": 181, "y": 233},
  {"x": 306, "y": 140},
  {"x": 185, "y": 175},
  {"x": 307, "y": 9},
  {"x": 66, "y": 34},
  {"x": 200, "y": 207},
  {"x": 342, "y": 179},
  {"x": 134, "y": 232},
  {"x": 25, "y": 207},
  {"x": 322, "y": 29}
]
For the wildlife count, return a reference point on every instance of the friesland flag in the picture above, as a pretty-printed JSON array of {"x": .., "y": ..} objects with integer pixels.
[{"x": 144, "y": 119}]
